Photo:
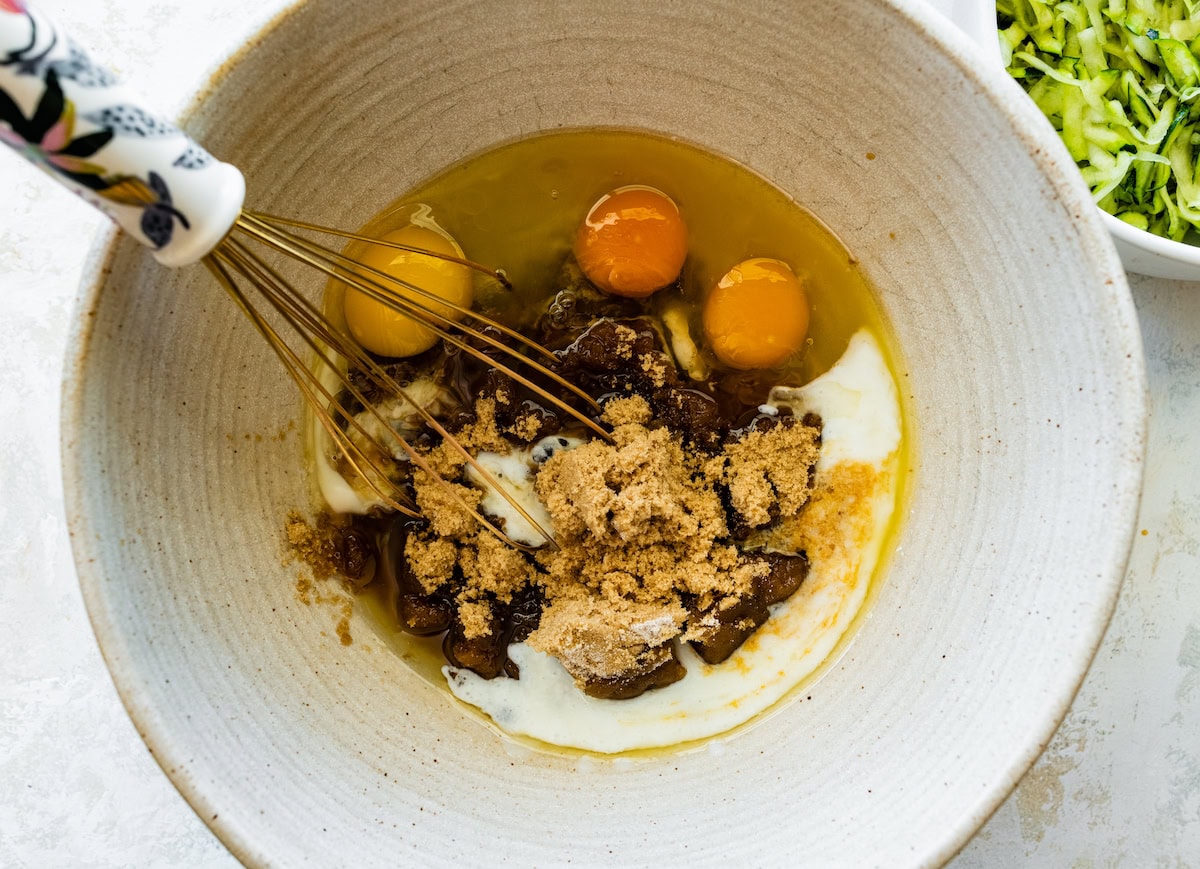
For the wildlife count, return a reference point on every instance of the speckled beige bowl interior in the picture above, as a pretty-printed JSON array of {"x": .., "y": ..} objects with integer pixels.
[{"x": 1025, "y": 380}]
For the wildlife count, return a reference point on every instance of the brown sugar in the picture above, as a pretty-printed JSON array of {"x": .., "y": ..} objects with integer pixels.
[
  {"x": 314, "y": 546},
  {"x": 527, "y": 426},
  {"x": 476, "y": 617},
  {"x": 652, "y": 527},
  {"x": 431, "y": 559},
  {"x": 656, "y": 368},
  {"x": 827, "y": 529},
  {"x": 484, "y": 433},
  {"x": 627, "y": 409},
  {"x": 640, "y": 525},
  {"x": 643, "y": 539},
  {"x": 492, "y": 569},
  {"x": 481, "y": 435},
  {"x": 770, "y": 472},
  {"x": 442, "y": 504},
  {"x": 626, "y": 342},
  {"x": 602, "y": 639}
]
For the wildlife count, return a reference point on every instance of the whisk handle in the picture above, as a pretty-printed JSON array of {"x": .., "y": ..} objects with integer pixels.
[{"x": 73, "y": 118}]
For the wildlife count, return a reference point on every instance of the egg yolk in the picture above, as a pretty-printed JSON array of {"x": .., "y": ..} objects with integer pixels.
[
  {"x": 632, "y": 242},
  {"x": 388, "y": 332},
  {"x": 757, "y": 315}
]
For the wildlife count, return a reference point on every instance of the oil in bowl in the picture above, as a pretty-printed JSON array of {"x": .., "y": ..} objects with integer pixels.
[{"x": 717, "y": 551}]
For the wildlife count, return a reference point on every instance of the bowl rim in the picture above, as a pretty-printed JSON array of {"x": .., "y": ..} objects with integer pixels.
[
  {"x": 1059, "y": 169},
  {"x": 1059, "y": 172},
  {"x": 97, "y": 265},
  {"x": 1177, "y": 251}
]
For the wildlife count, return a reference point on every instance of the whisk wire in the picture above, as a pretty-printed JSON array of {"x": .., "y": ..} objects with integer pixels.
[
  {"x": 276, "y": 221},
  {"x": 218, "y": 264},
  {"x": 328, "y": 262},
  {"x": 302, "y": 308},
  {"x": 270, "y": 234},
  {"x": 256, "y": 271},
  {"x": 309, "y": 323}
]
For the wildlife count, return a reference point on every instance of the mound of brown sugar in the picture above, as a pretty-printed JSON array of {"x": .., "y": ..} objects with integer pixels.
[
  {"x": 641, "y": 528},
  {"x": 643, "y": 532},
  {"x": 770, "y": 473}
]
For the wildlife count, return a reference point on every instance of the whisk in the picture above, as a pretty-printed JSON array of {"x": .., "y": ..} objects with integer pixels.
[{"x": 72, "y": 117}]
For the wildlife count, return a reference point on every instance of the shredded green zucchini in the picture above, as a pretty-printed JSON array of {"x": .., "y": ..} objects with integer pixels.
[{"x": 1119, "y": 79}]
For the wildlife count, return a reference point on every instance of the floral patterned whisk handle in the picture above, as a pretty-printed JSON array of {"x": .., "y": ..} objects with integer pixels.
[{"x": 74, "y": 119}]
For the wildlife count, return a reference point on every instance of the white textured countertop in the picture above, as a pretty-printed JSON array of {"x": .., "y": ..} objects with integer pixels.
[{"x": 1119, "y": 785}]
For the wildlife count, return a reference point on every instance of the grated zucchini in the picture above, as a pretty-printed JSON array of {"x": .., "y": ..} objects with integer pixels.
[{"x": 1120, "y": 81}]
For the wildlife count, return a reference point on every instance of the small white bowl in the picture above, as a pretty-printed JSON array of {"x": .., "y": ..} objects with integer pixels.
[
  {"x": 1024, "y": 379},
  {"x": 1147, "y": 254},
  {"x": 1141, "y": 252}
]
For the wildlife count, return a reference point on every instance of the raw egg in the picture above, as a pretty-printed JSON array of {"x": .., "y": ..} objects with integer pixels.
[
  {"x": 757, "y": 314},
  {"x": 388, "y": 332},
  {"x": 632, "y": 242}
]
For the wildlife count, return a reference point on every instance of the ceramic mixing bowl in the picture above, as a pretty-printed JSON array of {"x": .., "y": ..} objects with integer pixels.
[{"x": 1023, "y": 377}]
